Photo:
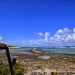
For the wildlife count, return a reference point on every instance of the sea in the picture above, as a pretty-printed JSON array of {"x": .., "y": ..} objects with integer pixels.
[{"x": 48, "y": 50}]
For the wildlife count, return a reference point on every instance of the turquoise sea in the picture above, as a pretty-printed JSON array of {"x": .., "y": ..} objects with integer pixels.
[{"x": 49, "y": 50}]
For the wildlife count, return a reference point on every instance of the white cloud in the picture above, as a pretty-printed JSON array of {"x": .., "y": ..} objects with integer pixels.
[
  {"x": 62, "y": 36},
  {"x": 59, "y": 32},
  {"x": 63, "y": 31},
  {"x": 1, "y": 38},
  {"x": 66, "y": 30},
  {"x": 46, "y": 38},
  {"x": 70, "y": 38},
  {"x": 74, "y": 30},
  {"x": 40, "y": 34}
]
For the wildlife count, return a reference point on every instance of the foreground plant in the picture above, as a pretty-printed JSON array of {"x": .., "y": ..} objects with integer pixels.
[{"x": 4, "y": 69}]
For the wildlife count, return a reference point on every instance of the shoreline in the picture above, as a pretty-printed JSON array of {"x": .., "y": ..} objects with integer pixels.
[
  {"x": 54, "y": 62},
  {"x": 39, "y": 53},
  {"x": 14, "y": 47}
]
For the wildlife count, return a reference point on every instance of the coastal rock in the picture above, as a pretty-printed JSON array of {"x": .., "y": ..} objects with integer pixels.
[{"x": 33, "y": 50}]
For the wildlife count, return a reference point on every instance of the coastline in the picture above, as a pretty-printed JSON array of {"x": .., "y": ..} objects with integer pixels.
[
  {"x": 32, "y": 62},
  {"x": 52, "y": 62},
  {"x": 14, "y": 47}
]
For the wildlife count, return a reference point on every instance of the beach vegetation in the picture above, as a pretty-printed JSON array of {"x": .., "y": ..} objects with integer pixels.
[{"x": 4, "y": 69}]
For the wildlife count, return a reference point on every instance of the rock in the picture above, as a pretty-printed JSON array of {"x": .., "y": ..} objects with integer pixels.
[{"x": 35, "y": 51}]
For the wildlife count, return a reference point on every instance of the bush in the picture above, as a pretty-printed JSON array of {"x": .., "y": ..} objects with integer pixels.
[
  {"x": 18, "y": 69},
  {"x": 4, "y": 69}
]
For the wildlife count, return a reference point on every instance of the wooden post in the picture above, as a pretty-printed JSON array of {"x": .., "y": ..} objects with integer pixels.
[
  {"x": 13, "y": 58},
  {"x": 14, "y": 61},
  {"x": 4, "y": 46}
]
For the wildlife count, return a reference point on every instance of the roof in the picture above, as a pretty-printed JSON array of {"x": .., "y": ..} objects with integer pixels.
[{"x": 3, "y": 45}]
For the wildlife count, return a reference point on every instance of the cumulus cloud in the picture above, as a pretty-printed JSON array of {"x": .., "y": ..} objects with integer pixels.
[
  {"x": 63, "y": 31},
  {"x": 62, "y": 36},
  {"x": 70, "y": 38},
  {"x": 40, "y": 34},
  {"x": 45, "y": 36},
  {"x": 74, "y": 30}
]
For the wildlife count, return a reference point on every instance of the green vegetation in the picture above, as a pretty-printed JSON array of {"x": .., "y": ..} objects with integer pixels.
[
  {"x": 4, "y": 69},
  {"x": 18, "y": 69}
]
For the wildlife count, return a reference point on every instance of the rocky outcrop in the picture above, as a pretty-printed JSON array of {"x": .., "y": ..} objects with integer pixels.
[{"x": 33, "y": 50}]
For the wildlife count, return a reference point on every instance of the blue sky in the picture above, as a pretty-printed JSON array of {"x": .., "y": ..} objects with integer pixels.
[{"x": 21, "y": 22}]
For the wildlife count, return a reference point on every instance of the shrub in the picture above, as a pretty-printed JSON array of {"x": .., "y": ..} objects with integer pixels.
[
  {"x": 4, "y": 69},
  {"x": 18, "y": 69}
]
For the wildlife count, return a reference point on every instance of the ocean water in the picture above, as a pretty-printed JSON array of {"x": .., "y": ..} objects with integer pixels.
[
  {"x": 59, "y": 50},
  {"x": 25, "y": 50}
]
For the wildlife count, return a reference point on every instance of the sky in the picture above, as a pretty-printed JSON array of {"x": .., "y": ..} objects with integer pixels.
[{"x": 37, "y": 22}]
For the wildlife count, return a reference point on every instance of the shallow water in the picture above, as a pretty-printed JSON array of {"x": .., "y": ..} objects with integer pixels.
[
  {"x": 44, "y": 57},
  {"x": 25, "y": 50},
  {"x": 60, "y": 50}
]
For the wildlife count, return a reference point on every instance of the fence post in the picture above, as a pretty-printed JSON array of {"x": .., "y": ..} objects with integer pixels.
[{"x": 4, "y": 46}]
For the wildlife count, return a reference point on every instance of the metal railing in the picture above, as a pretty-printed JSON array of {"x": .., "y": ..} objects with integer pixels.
[{"x": 4, "y": 46}]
